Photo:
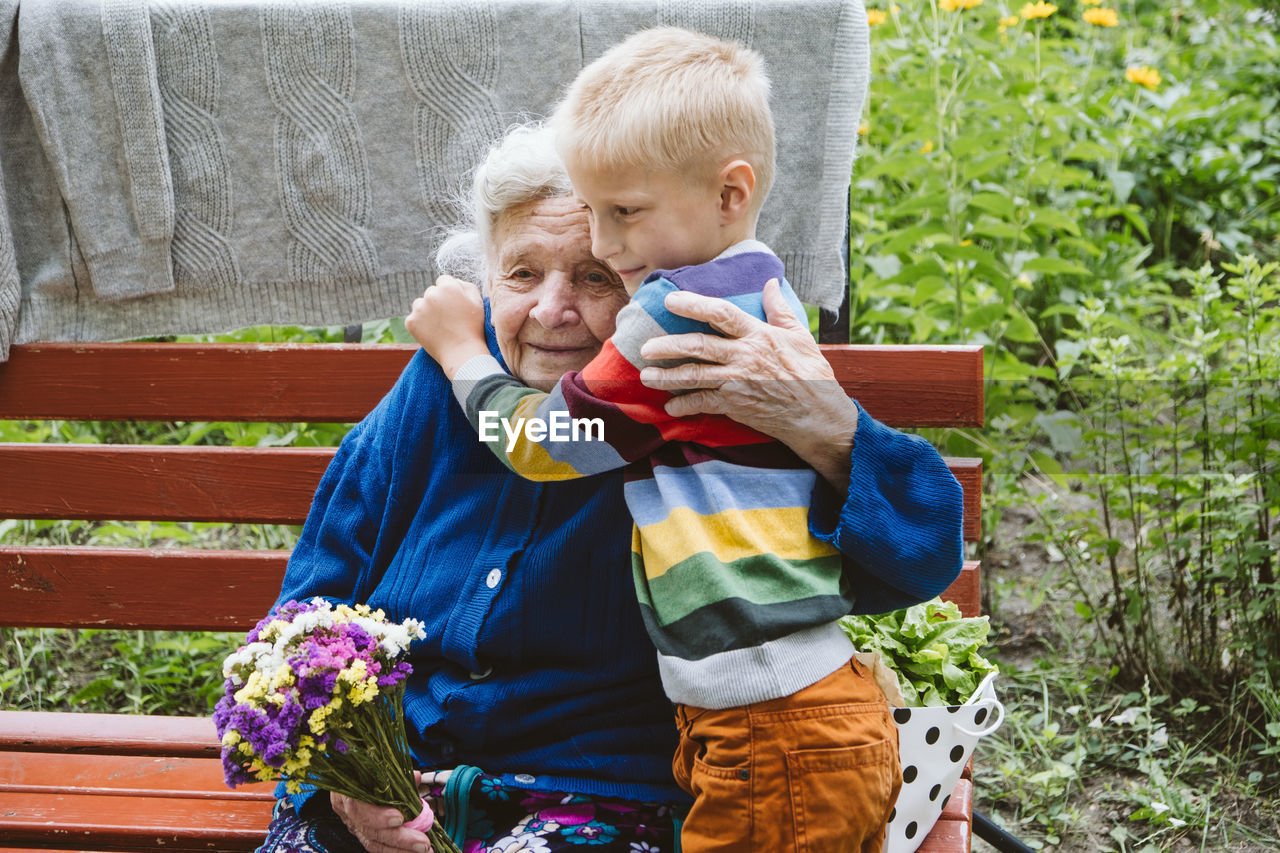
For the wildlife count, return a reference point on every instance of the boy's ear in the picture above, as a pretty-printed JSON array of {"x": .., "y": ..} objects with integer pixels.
[{"x": 737, "y": 185}]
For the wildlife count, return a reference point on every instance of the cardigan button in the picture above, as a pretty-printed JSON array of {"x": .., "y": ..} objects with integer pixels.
[
  {"x": 525, "y": 779},
  {"x": 492, "y": 580},
  {"x": 480, "y": 676}
]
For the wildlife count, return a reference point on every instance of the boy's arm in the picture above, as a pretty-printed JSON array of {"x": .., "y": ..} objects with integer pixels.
[
  {"x": 448, "y": 321},
  {"x": 597, "y": 419}
]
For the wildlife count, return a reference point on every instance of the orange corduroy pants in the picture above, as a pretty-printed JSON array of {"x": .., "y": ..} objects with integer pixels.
[{"x": 816, "y": 771}]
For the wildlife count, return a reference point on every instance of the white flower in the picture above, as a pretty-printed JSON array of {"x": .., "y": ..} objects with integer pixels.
[
  {"x": 519, "y": 844},
  {"x": 1127, "y": 717}
]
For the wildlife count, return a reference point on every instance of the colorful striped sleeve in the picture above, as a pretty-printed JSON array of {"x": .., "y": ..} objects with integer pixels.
[{"x": 595, "y": 420}]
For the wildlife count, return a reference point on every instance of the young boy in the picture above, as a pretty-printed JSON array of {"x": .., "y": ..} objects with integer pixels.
[{"x": 785, "y": 743}]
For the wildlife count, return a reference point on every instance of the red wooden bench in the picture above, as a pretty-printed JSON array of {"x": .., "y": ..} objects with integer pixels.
[{"x": 120, "y": 782}]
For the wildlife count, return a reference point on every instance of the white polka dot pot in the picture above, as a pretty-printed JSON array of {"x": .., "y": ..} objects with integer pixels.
[{"x": 934, "y": 744}]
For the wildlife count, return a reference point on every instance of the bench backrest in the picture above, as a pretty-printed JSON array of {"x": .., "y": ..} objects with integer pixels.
[{"x": 183, "y": 588}]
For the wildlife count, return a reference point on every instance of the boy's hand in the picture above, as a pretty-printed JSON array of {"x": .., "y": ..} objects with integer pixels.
[{"x": 448, "y": 320}]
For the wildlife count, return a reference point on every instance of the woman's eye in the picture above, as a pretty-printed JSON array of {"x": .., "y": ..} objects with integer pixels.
[
  {"x": 627, "y": 211},
  {"x": 520, "y": 277}
]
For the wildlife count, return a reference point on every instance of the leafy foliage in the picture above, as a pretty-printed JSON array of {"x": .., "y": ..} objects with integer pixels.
[
  {"x": 935, "y": 652},
  {"x": 1084, "y": 189}
]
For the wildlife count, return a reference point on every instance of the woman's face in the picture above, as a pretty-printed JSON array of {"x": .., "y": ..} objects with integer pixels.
[{"x": 552, "y": 303}]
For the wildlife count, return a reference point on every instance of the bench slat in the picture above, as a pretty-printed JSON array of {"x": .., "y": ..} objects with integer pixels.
[
  {"x": 948, "y": 836},
  {"x": 265, "y": 485},
  {"x": 129, "y": 482},
  {"x": 335, "y": 383},
  {"x": 960, "y": 804},
  {"x": 913, "y": 386},
  {"x": 966, "y": 590},
  {"x": 119, "y": 775},
  {"x": 108, "y": 734},
  {"x": 904, "y": 386},
  {"x": 84, "y": 588},
  {"x": 133, "y": 823}
]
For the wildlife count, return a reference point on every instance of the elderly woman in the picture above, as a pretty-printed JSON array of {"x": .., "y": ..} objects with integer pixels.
[{"x": 536, "y": 667}]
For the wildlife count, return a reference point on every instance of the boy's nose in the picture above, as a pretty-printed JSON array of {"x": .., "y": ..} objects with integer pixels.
[{"x": 604, "y": 241}]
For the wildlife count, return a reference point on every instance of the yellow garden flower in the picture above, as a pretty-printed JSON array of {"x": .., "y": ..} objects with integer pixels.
[
  {"x": 318, "y": 722},
  {"x": 1143, "y": 76},
  {"x": 863, "y": 129},
  {"x": 1011, "y": 21},
  {"x": 875, "y": 17},
  {"x": 1102, "y": 17},
  {"x": 927, "y": 147},
  {"x": 1092, "y": 2},
  {"x": 1038, "y": 10},
  {"x": 954, "y": 5}
]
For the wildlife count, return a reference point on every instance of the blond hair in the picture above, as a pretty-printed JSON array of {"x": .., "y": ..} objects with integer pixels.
[{"x": 671, "y": 99}]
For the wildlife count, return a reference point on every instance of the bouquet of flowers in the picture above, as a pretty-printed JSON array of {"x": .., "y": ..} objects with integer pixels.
[{"x": 315, "y": 697}]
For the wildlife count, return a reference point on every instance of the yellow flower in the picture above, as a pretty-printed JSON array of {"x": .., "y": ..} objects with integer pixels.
[
  {"x": 1011, "y": 21},
  {"x": 319, "y": 720},
  {"x": 230, "y": 738},
  {"x": 1092, "y": 2},
  {"x": 953, "y": 5},
  {"x": 863, "y": 129},
  {"x": 1143, "y": 76},
  {"x": 254, "y": 688},
  {"x": 273, "y": 630},
  {"x": 296, "y": 763},
  {"x": 1101, "y": 17},
  {"x": 875, "y": 17},
  {"x": 927, "y": 147},
  {"x": 1038, "y": 10}
]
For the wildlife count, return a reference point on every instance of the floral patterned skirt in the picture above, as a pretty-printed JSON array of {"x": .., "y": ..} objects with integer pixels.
[{"x": 501, "y": 820}]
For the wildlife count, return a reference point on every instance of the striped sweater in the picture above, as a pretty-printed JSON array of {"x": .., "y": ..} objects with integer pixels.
[{"x": 739, "y": 598}]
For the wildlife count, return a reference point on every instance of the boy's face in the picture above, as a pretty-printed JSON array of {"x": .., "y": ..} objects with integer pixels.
[{"x": 644, "y": 220}]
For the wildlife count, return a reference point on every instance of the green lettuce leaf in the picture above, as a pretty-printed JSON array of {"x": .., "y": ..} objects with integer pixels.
[{"x": 935, "y": 651}]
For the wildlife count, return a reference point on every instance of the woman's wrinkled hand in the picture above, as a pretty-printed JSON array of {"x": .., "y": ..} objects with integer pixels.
[
  {"x": 769, "y": 376},
  {"x": 380, "y": 829}
]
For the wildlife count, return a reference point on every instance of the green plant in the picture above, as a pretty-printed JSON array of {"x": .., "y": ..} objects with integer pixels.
[{"x": 1175, "y": 559}]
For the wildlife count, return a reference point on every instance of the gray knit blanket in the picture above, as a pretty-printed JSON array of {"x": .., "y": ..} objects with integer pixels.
[{"x": 187, "y": 166}]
